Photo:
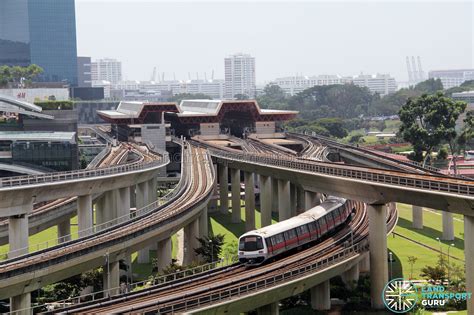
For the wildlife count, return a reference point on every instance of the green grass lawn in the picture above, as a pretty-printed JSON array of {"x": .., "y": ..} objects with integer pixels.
[{"x": 402, "y": 248}]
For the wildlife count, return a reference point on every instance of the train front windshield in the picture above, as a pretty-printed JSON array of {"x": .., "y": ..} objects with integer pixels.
[{"x": 250, "y": 243}]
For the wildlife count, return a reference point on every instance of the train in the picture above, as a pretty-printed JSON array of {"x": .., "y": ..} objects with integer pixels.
[{"x": 259, "y": 246}]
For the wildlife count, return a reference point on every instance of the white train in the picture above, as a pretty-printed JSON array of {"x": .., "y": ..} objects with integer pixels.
[{"x": 257, "y": 246}]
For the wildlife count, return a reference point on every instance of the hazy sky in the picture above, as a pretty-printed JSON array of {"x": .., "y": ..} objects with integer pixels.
[{"x": 286, "y": 38}]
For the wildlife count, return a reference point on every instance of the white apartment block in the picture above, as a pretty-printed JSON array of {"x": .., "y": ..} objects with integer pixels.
[
  {"x": 239, "y": 75},
  {"x": 297, "y": 84},
  {"x": 380, "y": 83},
  {"x": 106, "y": 70},
  {"x": 452, "y": 78},
  {"x": 212, "y": 88}
]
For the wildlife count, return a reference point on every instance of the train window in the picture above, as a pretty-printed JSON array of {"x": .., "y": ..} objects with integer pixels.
[
  {"x": 303, "y": 230},
  {"x": 323, "y": 223},
  {"x": 313, "y": 226},
  {"x": 251, "y": 243}
]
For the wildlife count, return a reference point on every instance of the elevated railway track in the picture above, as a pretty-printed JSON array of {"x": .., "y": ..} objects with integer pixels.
[{"x": 226, "y": 286}]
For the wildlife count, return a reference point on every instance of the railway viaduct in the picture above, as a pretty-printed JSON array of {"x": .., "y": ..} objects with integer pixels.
[{"x": 286, "y": 180}]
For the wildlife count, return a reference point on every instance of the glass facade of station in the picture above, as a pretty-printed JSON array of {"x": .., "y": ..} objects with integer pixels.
[{"x": 42, "y": 32}]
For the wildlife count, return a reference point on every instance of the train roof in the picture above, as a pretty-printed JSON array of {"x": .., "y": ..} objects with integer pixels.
[{"x": 312, "y": 214}]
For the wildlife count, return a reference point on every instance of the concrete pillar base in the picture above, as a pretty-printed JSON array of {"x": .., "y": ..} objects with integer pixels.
[
  {"x": 18, "y": 235},
  {"x": 292, "y": 200},
  {"x": 300, "y": 202},
  {"x": 265, "y": 200},
  {"x": 284, "y": 206},
  {"x": 249, "y": 201},
  {"x": 64, "y": 231},
  {"x": 274, "y": 187},
  {"x": 163, "y": 254},
  {"x": 364, "y": 264},
  {"x": 311, "y": 199},
  {"x": 204, "y": 223},
  {"x": 191, "y": 232},
  {"x": 269, "y": 309},
  {"x": 378, "y": 253},
  {"x": 85, "y": 217},
  {"x": 236, "y": 206},
  {"x": 19, "y": 304},
  {"x": 143, "y": 256},
  {"x": 112, "y": 277},
  {"x": 448, "y": 226},
  {"x": 417, "y": 217},
  {"x": 321, "y": 297},
  {"x": 351, "y": 276},
  {"x": 223, "y": 188}
]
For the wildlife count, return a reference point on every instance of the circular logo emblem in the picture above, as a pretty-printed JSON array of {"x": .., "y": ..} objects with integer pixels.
[{"x": 400, "y": 295}]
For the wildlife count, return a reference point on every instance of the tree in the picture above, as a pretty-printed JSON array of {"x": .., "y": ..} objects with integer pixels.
[
  {"x": 334, "y": 126},
  {"x": 429, "y": 120},
  {"x": 435, "y": 274},
  {"x": 241, "y": 97},
  {"x": 411, "y": 260},
  {"x": 210, "y": 247},
  {"x": 429, "y": 86},
  {"x": 273, "y": 96}
]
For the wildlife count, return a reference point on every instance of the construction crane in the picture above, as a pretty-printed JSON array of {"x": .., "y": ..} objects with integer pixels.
[
  {"x": 410, "y": 73},
  {"x": 421, "y": 75},
  {"x": 416, "y": 79}
]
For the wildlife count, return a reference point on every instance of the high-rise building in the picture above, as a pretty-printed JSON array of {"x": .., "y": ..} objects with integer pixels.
[
  {"x": 239, "y": 76},
  {"x": 452, "y": 78},
  {"x": 41, "y": 32},
  {"x": 84, "y": 76},
  {"x": 107, "y": 70}
]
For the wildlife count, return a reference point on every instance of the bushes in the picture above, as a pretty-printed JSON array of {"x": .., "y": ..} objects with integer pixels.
[{"x": 54, "y": 105}]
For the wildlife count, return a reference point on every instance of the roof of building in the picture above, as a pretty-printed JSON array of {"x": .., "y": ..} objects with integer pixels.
[
  {"x": 10, "y": 104},
  {"x": 44, "y": 136},
  {"x": 201, "y": 110}
]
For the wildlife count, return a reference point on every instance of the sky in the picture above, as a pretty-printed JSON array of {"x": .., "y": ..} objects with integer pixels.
[{"x": 286, "y": 38}]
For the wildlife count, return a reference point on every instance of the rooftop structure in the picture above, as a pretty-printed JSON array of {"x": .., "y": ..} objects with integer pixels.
[
  {"x": 13, "y": 105},
  {"x": 202, "y": 116},
  {"x": 38, "y": 136},
  {"x": 453, "y": 77}
]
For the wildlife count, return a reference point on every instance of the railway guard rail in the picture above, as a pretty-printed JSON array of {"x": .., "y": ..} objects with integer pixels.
[
  {"x": 182, "y": 275},
  {"x": 442, "y": 185},
  {"x": 273, "y": 280},
  {"x": 17, "y": 181}
]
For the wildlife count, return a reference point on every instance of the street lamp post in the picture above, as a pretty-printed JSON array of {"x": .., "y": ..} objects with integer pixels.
[
  {"x": 440, "y": 248},
  {"x": 212, "y": 251},
  {"x": 449, "y": 266},
  {"x": 390, "y": 255}
]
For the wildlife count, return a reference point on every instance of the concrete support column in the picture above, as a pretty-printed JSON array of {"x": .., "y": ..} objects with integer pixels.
[
  {"x": 191, "y": 232},
  {"x": 269, "y": 309},
  {"x": 112, "y": 277},
  {"x": 321, "y": 297},
  {"x": 378, "y": 253},
  {"x": 417, "y": 217},
  {"x": 204, "y": 223},
  {"x": 110, "y": 207},
  {"x": 311, "y": 199},
  {"x": 152, "y": 191},
  {"x": 223, "y": 188},
  {"x": 249, "y": 201},
  {"x": 20, "y": 302},
  {"x": 265, "y": 200},
  {"x": 85, "y": 218},
  {"x": 469, "y": 257},
  {"x": 142, "y": 200},
  {"x": 292, "y": 199},
  {"x": 18, "y": 235},
  {"x": 284, "y": 206},
  {"x": 99, "y": 212},
  {"x": 448, "y": 226},
  {"x": 351, "y": 276},
  {"x": 123, "y": 204},
  {"x": 300, "y": 201},
  {"x": 163, "y": 254},
  {"x": 274, "y": 186},
  {"x": 133, "y": 200},
  {"x": 212, "y": 206},
  {"x": 364, "y": 264},
  {"x": 64, "y": 231},
  {"x": 235, "y": 183}
]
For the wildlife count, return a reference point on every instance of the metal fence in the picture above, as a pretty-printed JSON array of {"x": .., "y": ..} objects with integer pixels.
[{"x": 417, "y": 181}]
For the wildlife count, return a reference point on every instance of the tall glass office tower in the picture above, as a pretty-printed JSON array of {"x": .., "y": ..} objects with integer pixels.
[{"x": 42, "y": 32}]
